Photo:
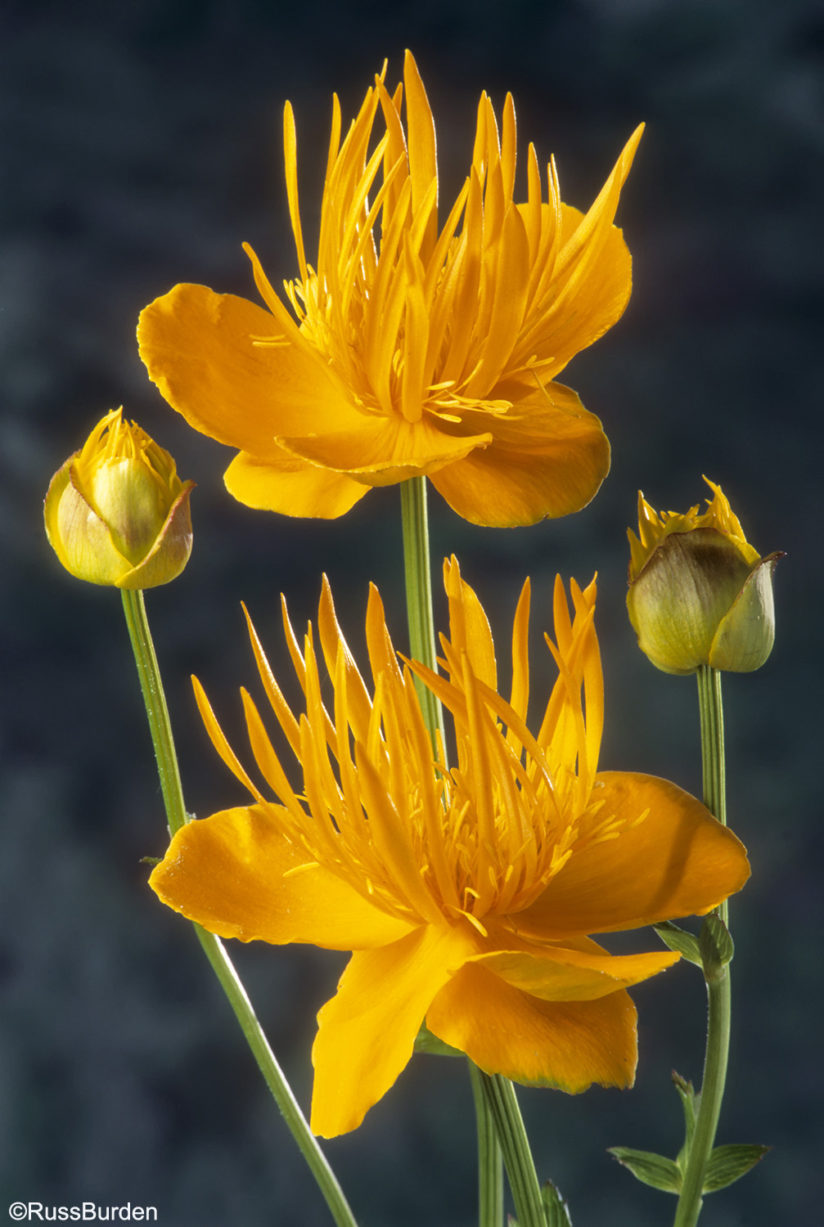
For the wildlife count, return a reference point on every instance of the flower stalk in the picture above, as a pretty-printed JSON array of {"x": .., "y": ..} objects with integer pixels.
[
  {"x": 498, "y": 1116},
  {"x": 502, "y": 1105},
  {"x": 719, "y": 996},
  {"x": 151, "y": 685}
]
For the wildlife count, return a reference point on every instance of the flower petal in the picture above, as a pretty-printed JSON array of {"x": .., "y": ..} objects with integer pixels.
[
  {"x": 283, "y": 483},
  {"x": 591, "y": 278},
  {"x": 559, "y": 974},
  {"x": 237, "y": 875},
  {"x": 568, "y": 1044},
  {"x": 367, "y": 1031},
  {"x": 676, "y": 861},
  {"x": 588, "y": 298},
  {"x": 548, "y": 457},
  {"x": 385, "y": 450},
  {"x": 204, "y": 352}
]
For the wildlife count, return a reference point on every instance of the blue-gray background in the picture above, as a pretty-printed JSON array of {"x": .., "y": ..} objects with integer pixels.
[{"x": 140, "y": 147}]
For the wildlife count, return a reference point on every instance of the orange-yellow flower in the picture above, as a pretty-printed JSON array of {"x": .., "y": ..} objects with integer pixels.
[
  {"x": 466, "y": 894},
  {"x": 415, "y": 345}
]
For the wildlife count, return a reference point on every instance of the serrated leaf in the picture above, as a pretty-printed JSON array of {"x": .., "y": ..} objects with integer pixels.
[
  {"x": 650, "y": 1168},
  {"x": 680, "y": 941},
  {"x": 729, "y": 1163}
]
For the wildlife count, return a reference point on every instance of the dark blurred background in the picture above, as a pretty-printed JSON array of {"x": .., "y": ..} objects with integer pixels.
[{"x": 140, "y": 146}]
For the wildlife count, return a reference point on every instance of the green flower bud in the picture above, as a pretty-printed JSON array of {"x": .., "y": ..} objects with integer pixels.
[
  {"x": 699, "y": 594},
  {"x": 116, "y": 512}
]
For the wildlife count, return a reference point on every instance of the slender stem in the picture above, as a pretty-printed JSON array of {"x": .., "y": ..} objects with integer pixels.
[
  {"x": 158, "y": 715},
  {"x": 490, "y": 1173},
  {"x": 418, "y": 575},
  {"x": 500, "y": 1120},
  {"x": 719, "y": 994},
  {"x": 499, "y": 1094},
  {"x": 148, "y": 672}
]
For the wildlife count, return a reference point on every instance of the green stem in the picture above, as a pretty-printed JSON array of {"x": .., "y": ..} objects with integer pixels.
[
  {"x": 497, "y": 1121},
  {"x": 148, "y": 672},
  {"x": 490, "y": 1173},
  {"x": 719, "y": 995},
  {"x": 418, "y": 575},
  {"x": 499, "y": 1094},
  {"x": 158, "y": 715}
]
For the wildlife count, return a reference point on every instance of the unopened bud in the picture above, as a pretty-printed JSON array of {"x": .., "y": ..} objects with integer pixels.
[
  {"x": 699, "y": 594},
  {"x": 116, "y": 512}
]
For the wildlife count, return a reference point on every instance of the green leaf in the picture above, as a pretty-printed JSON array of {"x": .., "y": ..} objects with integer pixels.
[
  {"x": 425, "y": 1041},
  {"x": 686, "y": 1093},
  {"x": 716, "y": 946},
  {"x": 680, "y": 941},
  {"x": 649, "y": 1168},
  {"x": 556, "y": 1211},
  {"x": 729, "y": 1163}
]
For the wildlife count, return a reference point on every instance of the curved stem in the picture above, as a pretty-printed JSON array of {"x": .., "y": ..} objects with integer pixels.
[
  {"x": 158, "y": 715},
  {"x": 719, "y": 995},
  {"x": 498, "y": 1116}
]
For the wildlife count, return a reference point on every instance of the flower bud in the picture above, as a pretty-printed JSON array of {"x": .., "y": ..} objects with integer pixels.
[
  {"x": 699, "y": 594},
  {"x": 116, "y": 512}
]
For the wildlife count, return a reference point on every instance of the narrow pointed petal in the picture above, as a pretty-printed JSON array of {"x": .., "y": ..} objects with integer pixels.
[
  {"x": 237, "y": 875},
  {"x": 548, "y": 458},
  {"x": 293, "y": 487},
  {"x": 568, "y": 1045},
  {"x": 204, "y": 352},
  {"x": 367, "y": 1031},
  {"x": 469, "y": 626},
  {"x": 670, "y": 858}
]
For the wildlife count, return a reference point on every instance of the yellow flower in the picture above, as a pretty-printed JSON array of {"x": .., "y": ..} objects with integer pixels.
[
  {"x": 466, "y": 894},
  {"x": 699, "y": 594},
  {"x": 116, "y": 512},
  {"x": 414, "y": 345}
]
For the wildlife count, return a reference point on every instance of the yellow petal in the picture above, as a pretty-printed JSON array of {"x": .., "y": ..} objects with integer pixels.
[
  {"x": 383, "y": 451},
  {"x": 559, "y": 974},
  {"x": 568, "y": 1044},
  {"x": 290, "y": 486},
  {"x": 204, "y": 352},
  {"x": 587, "y": 303},
  {"x": 676, "y": 861},
  {"x": 237, "y": 875},
  {"x": 548, "y": 457},
  {"x": 468, "y": 625},
  {"x": 367, "y": 1031},
  {"x": 421, "y": 141}
]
